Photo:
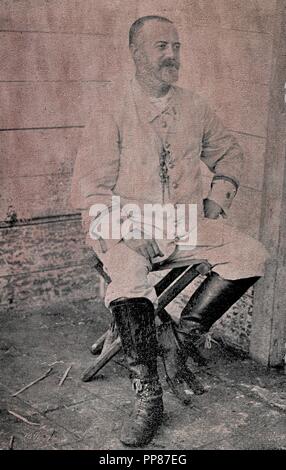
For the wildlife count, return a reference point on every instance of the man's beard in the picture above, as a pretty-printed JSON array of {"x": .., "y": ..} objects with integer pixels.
[
  {"x": 169, "y": 71},
  {"x": 169, "y": 74}
]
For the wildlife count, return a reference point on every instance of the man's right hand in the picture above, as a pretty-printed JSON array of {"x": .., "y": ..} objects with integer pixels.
[{"x": 147, "y": 248}]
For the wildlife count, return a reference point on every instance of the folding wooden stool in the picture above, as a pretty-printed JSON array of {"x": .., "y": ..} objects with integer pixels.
[{"x": 181, "y": 274}]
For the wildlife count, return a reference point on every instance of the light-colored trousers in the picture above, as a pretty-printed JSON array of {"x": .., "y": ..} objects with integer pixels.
[{"x": 233, "y": 254}]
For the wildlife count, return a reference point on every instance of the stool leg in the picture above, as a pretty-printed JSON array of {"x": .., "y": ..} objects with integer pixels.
[
  {"x": 171, "y": 292},
  {"x": 96, "y": 348},
  {"x": 102, "y": 360}
]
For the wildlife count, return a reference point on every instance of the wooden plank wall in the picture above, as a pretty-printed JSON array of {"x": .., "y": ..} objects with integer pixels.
[
  {"x": 268, "y": 338},
  {"x": 58, "y": 57}
]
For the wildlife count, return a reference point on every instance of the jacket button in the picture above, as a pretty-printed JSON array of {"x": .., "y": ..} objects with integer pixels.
[{"x": 175, "y": 185}]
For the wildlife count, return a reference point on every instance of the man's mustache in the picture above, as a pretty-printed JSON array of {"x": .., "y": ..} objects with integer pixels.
[{"x": 169, "y": 63}]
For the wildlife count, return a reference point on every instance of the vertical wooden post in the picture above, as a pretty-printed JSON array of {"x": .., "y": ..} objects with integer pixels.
[{"x": 268, "y": 337}]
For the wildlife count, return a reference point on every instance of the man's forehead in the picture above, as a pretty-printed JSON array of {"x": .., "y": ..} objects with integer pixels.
[{"x": 154, "y": 31}]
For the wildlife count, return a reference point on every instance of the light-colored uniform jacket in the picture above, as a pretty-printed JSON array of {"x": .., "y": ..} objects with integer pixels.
[{"x": 120, "y": 148}]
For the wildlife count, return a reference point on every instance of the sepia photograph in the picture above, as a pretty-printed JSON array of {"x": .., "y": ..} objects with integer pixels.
[{"x": 143, "y": 227}]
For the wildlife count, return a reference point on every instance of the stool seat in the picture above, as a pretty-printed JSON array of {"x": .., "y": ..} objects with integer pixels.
[{"x": 202, "y": 266}]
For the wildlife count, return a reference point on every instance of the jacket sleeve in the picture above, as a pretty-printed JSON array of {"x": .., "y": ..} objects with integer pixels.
[
  {"x": 96, "y": 170},
  {"x": 224, "y": 157}
]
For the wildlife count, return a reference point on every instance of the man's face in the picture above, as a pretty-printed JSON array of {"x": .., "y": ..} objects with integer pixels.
[{"x": 157, "y": 52}]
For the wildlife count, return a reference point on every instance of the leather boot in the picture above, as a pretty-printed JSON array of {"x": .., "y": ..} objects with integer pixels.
[
  {"x": 135, "y": 321},
  {"x": 209, "y": 302},
  {"x": 178, "y": 376}
]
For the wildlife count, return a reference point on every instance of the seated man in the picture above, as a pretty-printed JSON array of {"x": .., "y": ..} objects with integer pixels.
[{"x": 145, "y": 147}]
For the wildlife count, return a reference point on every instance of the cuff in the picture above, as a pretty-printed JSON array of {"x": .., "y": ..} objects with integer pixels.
[{"x": 222, "y": 192}]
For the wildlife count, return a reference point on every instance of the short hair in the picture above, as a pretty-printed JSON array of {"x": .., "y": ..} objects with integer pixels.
[{"x": 138, "y": 24}]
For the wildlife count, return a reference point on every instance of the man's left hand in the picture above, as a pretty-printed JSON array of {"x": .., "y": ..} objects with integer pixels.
[{"x": 211, "y": 209}]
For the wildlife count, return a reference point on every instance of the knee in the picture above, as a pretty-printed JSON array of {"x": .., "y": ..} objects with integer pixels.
[
  {"x": 263, "y": 254},
  {"x": 138, "y": 267},
  {"x": 122, "y": 262},
  {"x": 256, "y": 250},
  {"x": 254, "y": 253},
  {"x": 132, "y": 269}
]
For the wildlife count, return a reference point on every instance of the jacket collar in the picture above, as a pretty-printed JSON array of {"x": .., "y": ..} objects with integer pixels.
[{"x": 148, "y": 111}]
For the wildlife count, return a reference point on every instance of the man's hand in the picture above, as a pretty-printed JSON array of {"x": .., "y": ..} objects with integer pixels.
[
  {"x": 211, "y": 209},
  {"x": 147, "y": 248}
]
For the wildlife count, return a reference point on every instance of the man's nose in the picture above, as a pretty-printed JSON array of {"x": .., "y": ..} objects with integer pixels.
[{"x": 169, "y": 52}]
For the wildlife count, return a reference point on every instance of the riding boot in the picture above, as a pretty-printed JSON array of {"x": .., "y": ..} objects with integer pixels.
[
  {"x": 135, "y": 321},
  {"x": 209, "y": 302},
  {"x": 178, "y": 376}
]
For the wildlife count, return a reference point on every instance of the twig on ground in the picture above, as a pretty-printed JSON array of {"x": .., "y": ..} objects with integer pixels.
[
  {"x": 64, "y": 376},
  {"x": 51, "y": 435},
  {"x": 25, "y": 420},
  {"x": 32, "y": 383},
  {"x": 56, "y": 362},
  {"x": 11, "y": 443}
]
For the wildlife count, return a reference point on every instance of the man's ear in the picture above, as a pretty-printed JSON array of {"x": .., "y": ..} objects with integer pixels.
[{"x": 134, "y": 50}]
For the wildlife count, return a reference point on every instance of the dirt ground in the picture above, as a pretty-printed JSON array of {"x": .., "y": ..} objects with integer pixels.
[{"x": 244, "y": 406}]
